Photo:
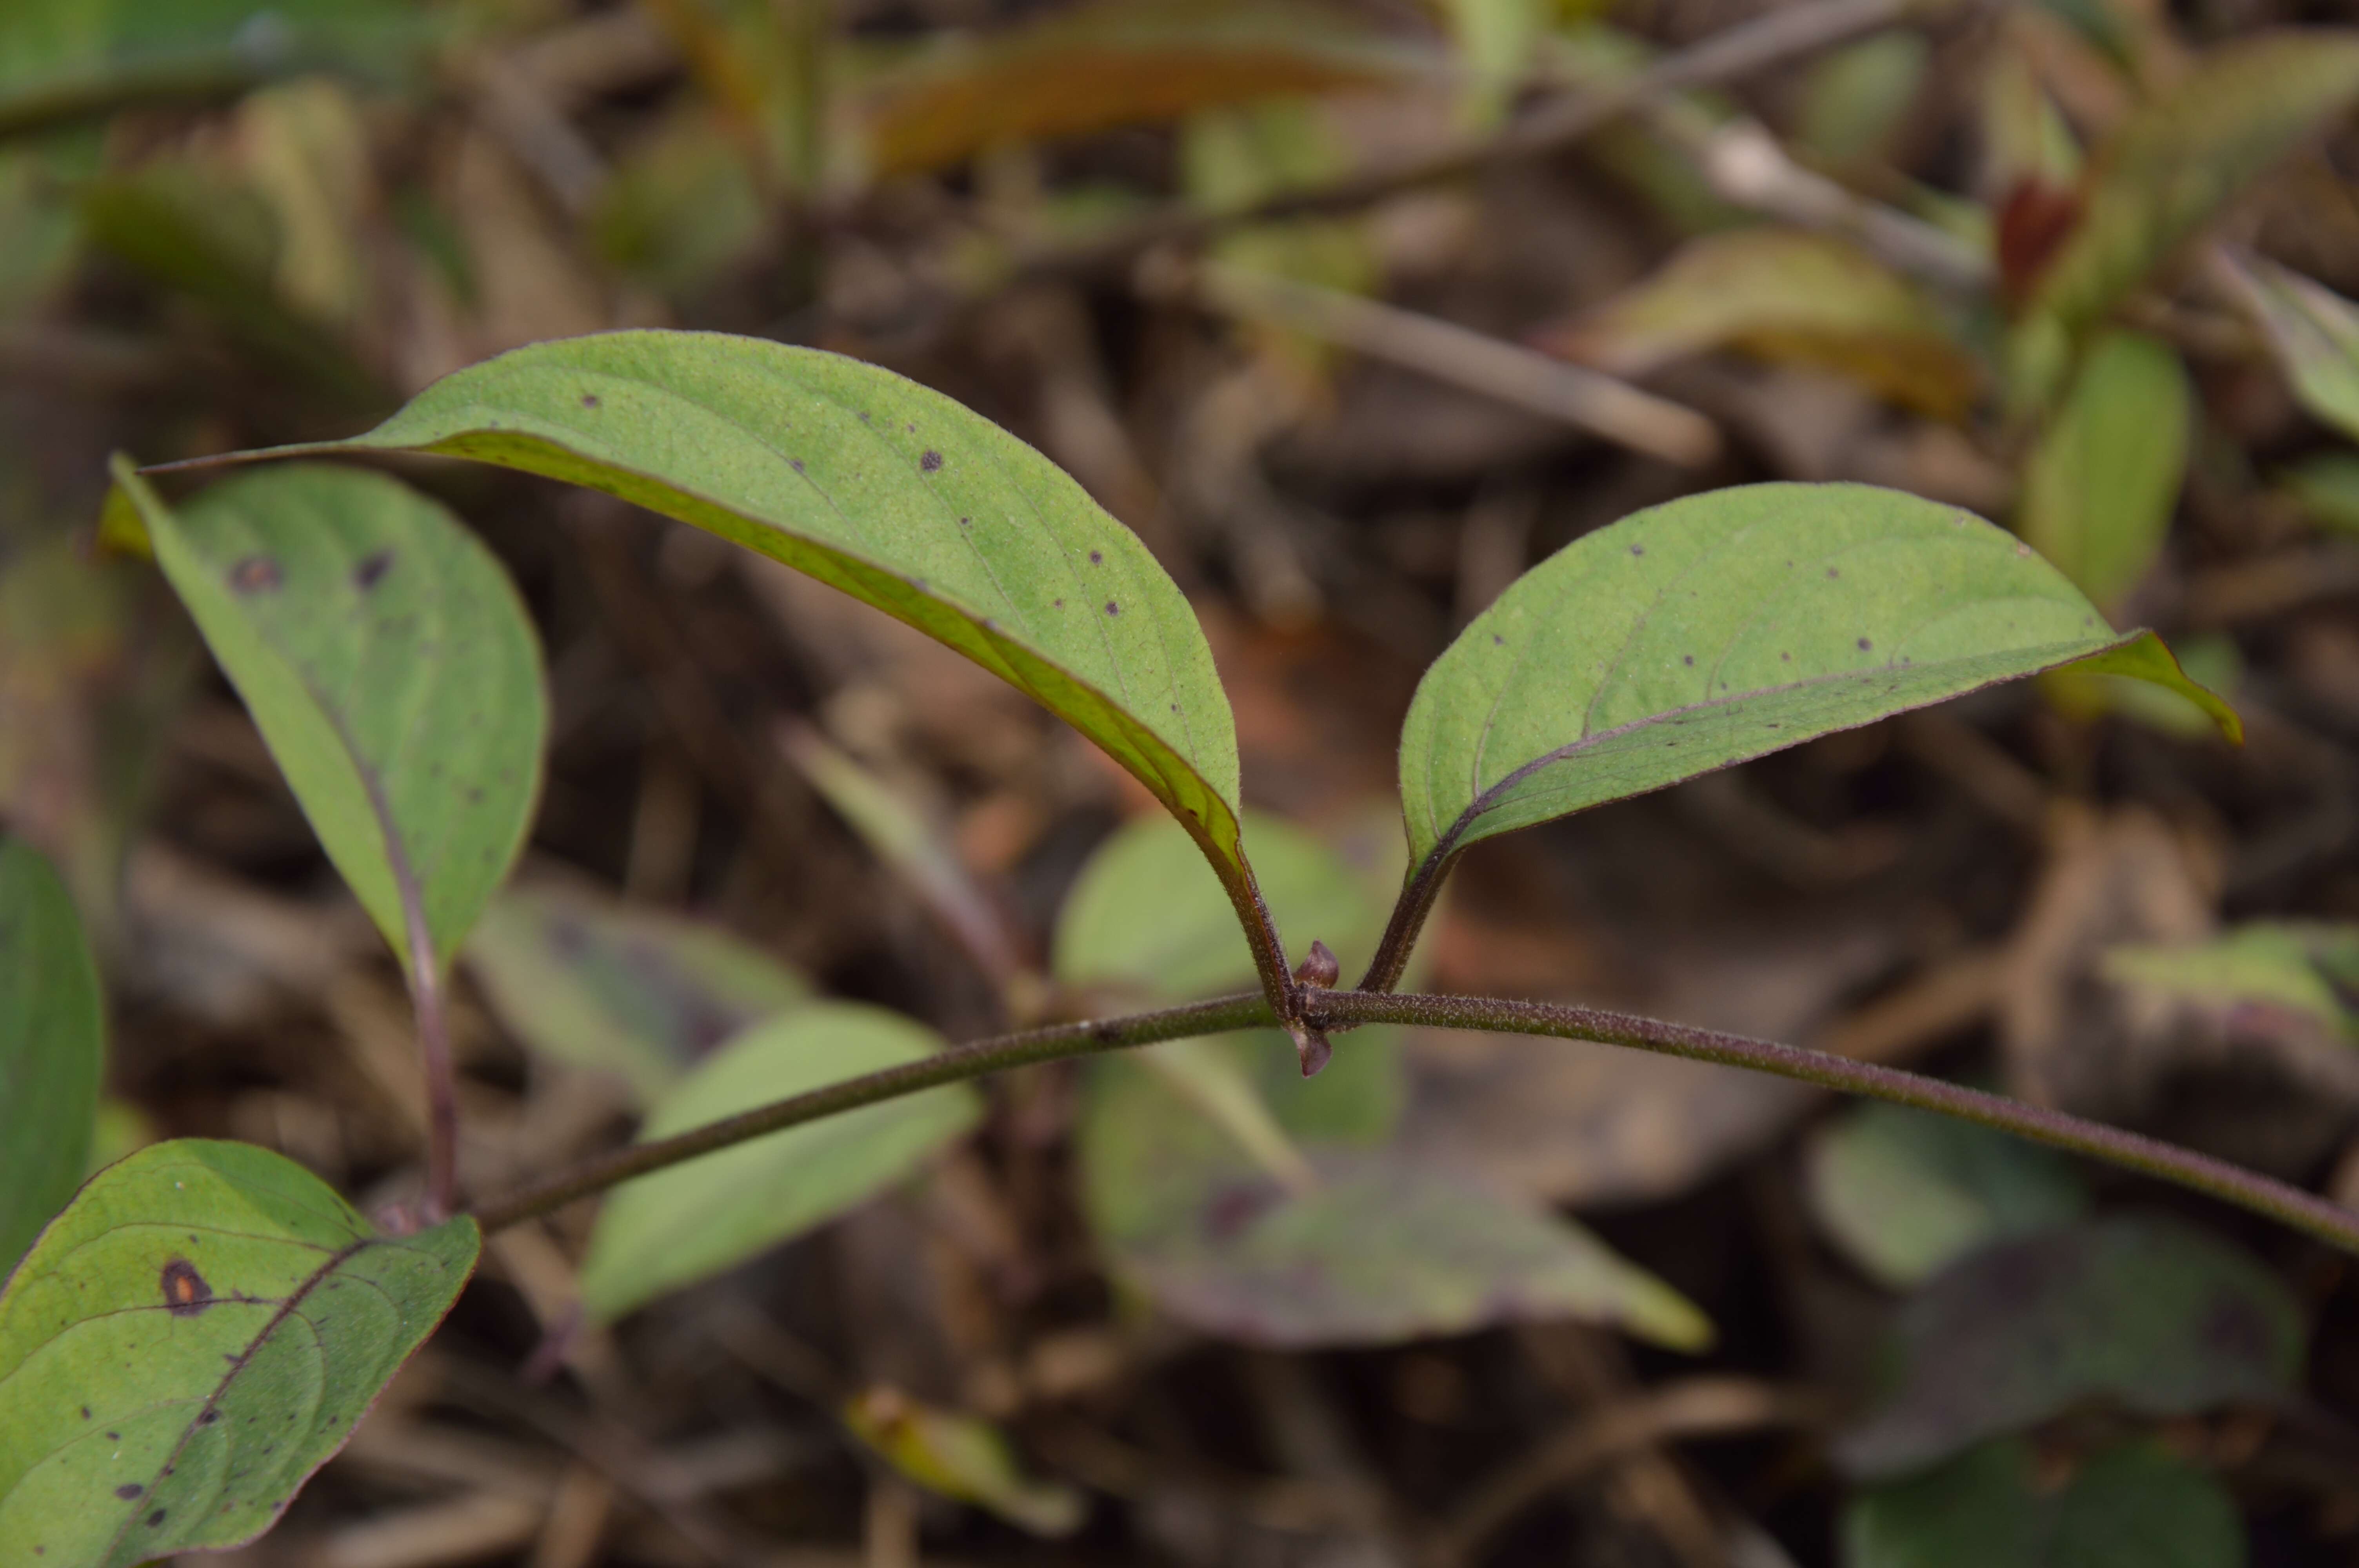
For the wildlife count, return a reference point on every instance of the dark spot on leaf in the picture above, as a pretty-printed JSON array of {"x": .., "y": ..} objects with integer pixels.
[
  {"x": 185, "y": 1291},
  {"x": 795, "y": 464},
  {"x": 1832, "y": 572},
  {"x": 128, "y": 1490},
  {"x": 1096, "y": 558},
  {"x": 255, "y": 574},
  {"x": 1637, "y": 549},
  {"x": 1112, "y": 608},
  {"x": 474, "y": 797},
  {"x": 966, "y": 522},
  {"x": 1788, "y": 658},
  {"x": 86, "y": 1413},
  {"x": 1059, "y": 604},
  {"x": 1687, "y": 659},
  {"x": 930, "y": 460},
  {"x": 589, "y": 400},
  {"x": 1497, "y": 641},
  {"x": 864, "y": 419},
  {"x": 156, "y": 1518},
  {"x": 366, "y": 576},
  {"x": 1865, "y": 644}
]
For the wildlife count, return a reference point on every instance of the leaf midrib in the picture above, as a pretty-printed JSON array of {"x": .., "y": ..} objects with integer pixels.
[
  {"x": 213, "y": 1400},
  {"x": 1486, "y": 800}
]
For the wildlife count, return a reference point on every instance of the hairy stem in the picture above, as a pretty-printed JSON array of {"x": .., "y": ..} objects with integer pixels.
[
  {"x": 1410, "y": 910},
  {"x": 954, "y": 1066},
  {"x": 2167, "y": 1162},
  {"x": 1337, "y": 1010}
]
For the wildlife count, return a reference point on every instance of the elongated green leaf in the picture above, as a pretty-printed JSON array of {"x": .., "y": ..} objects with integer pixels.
[
  {"x": 194, "y": 1337},
  {"x": 694, "y": 1220},
  {"x": 67, "y": 60},
  {"x": 52, "y": 1047},
  {"x": 1905, "y": 1192},
  {"x": 1722, "y": 626},
  {"x": 2175, "y": 161},
  {"x": 1373, "y": 1250},
  {"x": 2101, "y": 484},
  {"x": 600, "y": 984},
  {"x": 892, "y": 492},
  {"x": 2134, "y": 1506},
  {"x": 2142, "y": 1312},
  {"x": 391, "y": 668},
  {"x": 2313, "y": 332},
  {"x": 2265, "y": 976},
  {"x": 1783, "y": 295}
]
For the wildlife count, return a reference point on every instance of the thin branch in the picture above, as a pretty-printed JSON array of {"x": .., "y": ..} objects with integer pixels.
[
  {"x": 1779, "y": 36},
  {"x": 955, "y": 1065},
  {"x": 2166, "y": 1162},
  {"x": 1587, "y": 398},
  {"x": 1339, "y": 1009}
]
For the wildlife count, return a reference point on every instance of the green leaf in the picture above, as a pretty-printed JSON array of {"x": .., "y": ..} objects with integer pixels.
[
  {"x": 892, "y": 492},
  {"x": 600, "y": 984},
  {"x": 2100, "y": 489},
  {"x": 694, "y": 1220},
  {"x": 1146, "y": 923},
  {"x": 1376, "y": 1250},
  {"x": 2176, "y": 160},
  {"x": 1855, "y": 99},
  {"x": 2209, "y": 659},
  {"x": 1722, "y": 626},
  {"x": 52, "y": 1047},
  {"x": 2261, "y": 971},
  {"x": 2142, "y": 1312},
  {"x": 193, "y": 1337},
  {"x": 2313, "y": 332},
  {"x": 63, "y": 61},
  {"x": 1905, "y": 1192},
  {"x": 391, "y": 668},
  {"x": 962, "y": 1457},
  {"x": 2132, "y": 1506},
  {"x": 1787, "y": 295}
]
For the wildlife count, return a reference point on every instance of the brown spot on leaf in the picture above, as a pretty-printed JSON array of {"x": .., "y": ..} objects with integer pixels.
[
  {"x": 185, "y": 1291},
  {"x": 589, "y": 400},
  {"x": 255, "y": 574},
  {"x": 372, "y": 570},
  {"x": 128, "y": 1490},
  {"x": 930, "y": 460},
  {"x": 1112, "y": 608},
  {"x": 156, "y": 1518}
]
